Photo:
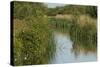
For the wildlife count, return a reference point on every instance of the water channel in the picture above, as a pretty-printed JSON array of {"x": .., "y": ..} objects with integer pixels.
[{"x": 64, "y": 51}]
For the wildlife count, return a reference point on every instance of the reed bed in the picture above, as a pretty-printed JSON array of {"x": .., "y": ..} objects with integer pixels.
[{"x": 81, "y": 28}]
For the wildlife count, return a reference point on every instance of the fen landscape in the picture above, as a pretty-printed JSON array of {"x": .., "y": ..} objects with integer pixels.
[{"x": 51, "y": 33}]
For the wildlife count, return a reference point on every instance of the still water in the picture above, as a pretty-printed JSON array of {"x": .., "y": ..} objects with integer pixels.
[{"x": 64, "y": 51}]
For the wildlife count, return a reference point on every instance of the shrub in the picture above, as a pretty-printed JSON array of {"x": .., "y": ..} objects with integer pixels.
[{"x": 33, "y": 43}]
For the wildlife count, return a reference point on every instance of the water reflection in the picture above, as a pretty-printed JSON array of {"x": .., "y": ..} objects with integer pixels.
[{"x": 67, "y": 51}]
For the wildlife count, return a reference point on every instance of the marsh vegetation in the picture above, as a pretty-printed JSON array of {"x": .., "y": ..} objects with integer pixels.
[{"x": 34, "y": 27}]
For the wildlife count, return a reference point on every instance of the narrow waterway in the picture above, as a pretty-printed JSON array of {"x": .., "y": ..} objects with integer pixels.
[{"x": 64, "y": 53}]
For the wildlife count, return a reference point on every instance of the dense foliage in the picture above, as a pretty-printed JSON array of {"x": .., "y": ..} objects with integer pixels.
[
  {"x": 33, "y": 43},
  {"x": 73, "y": 9},
  {"x": 23, "y": 9},
  {"x": 34, "y": 24}
]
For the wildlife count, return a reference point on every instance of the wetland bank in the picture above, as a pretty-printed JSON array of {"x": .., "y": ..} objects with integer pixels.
[{"x": 51, "y": 35}]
